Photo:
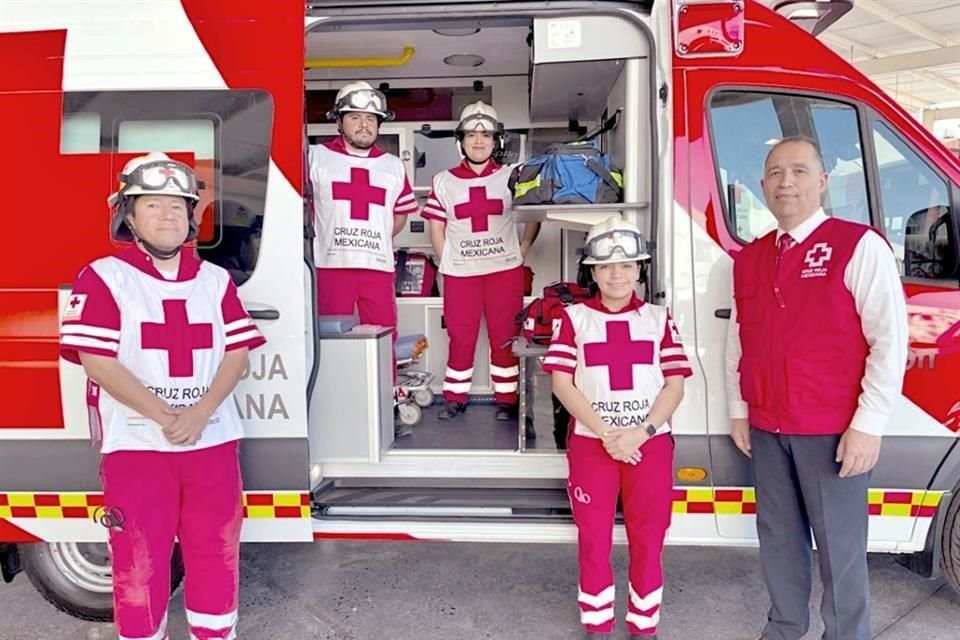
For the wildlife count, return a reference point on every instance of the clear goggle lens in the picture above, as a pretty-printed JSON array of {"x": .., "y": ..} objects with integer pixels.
[
  {"x": 363, "y": 100},
  {"x": 626, "y": 243},
  {"x": 479, "y": 123},
  {"x": 157, "y": 176}
]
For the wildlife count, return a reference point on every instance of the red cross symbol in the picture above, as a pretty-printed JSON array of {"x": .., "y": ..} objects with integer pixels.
[
  {"x": 618, "y": 353},
  {"x": 360, "y": 193},
  {"x": 166, "y": 171},
  {"x": 74, "y": 301},
  {"x": 479, "y": 209},
  {"x": 820, "y": 253},
  {"x": 177, "y": 337}
]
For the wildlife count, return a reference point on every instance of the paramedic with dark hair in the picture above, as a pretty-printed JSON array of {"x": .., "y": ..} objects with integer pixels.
[
  {"x": 164, "y": 338},
  {"x": 473, "y": 232},
  {"x": 618, "y": 366},
  {"x": 816, "y": 353}
]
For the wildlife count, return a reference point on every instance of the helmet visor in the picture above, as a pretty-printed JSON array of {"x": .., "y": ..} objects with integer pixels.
[
  {"x": 161, "y": 176},
  {"x": 626, "y": 244},
  {"x": 370, "y": 100}
]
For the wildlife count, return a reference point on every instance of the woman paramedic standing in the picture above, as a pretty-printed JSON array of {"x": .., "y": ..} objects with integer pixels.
[
  {"x": 473, "y": 232},
  {"x": 618, "y": 367},
  {"x": 163, "y": 338}
]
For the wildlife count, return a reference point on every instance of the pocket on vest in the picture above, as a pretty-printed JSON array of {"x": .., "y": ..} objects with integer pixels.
[
  {"x": 808, "y": 385},
  {"x": 752, "y": 383}
]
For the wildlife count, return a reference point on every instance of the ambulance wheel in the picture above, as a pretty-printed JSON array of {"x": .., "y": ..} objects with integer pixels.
[
  {"x": 409, "y": 414},
  {"x": 950, "y": 544},
  {"x": 423, "y": 397},
  {"x": 75, "y": 577}
]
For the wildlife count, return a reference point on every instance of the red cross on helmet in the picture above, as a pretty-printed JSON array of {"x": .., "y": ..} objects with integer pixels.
[
  {"x": 154, "y": 174},
  {"x": 479, "y": 116},
  {"x": 614, "y": 240},
  {"x": 360, "y": 96}
]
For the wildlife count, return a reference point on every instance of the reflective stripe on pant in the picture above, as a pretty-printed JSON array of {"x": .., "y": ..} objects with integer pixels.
[
  {"x": 499, "y": 298},
  {"x": 194, "y": 496},
  {"x": 646, "y": 491}
]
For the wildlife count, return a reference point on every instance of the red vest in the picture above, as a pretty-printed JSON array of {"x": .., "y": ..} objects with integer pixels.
[{"x": 804, "y": 352}]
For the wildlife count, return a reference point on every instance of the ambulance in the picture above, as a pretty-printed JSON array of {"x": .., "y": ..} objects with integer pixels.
[{"x": 687, "y": 97}]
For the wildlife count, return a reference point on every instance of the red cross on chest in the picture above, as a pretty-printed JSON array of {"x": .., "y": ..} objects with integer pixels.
[
  {"x": 177, "y": 337},
  {"x": 478, "y": 209},
  {"x": 618, "y": 353},
  {"x": 360, "y": 193}
]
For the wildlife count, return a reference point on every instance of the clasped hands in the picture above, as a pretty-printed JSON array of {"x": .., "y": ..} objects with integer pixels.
[
  {"x": 184, "y": 425},
  {"x": 623, "y": 445}
]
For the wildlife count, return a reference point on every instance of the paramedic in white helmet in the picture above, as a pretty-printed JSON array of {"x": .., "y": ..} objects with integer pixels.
[
  {"x": 361, "y": 199},
  {"x": 474, "y": 234},
  {"x": 163, "y": 339},
  {"x": 618, "y": 367}
]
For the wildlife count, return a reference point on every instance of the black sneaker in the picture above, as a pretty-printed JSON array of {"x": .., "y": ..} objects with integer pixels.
[
  {"x": 451, "y": 410},
  {"x": 506, "y": 412}
]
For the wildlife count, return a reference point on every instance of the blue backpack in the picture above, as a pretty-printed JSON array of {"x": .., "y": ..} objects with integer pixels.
[{"x": 569, "y": 173}]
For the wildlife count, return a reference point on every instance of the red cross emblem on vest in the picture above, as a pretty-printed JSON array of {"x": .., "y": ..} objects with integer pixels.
[
  {"x": 618, "y": 353},
  {"x": 479, "y": 208},
  {"x": 360, "y": 193},
  {"x": 177, "y": 337}
]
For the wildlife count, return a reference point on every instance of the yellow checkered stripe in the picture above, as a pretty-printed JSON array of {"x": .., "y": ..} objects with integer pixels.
[
  {"x": 903, "y": 504},
  {"x": 85, "y": 506}
]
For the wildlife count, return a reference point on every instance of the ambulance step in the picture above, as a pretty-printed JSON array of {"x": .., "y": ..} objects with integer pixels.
[{"x": 342, "y": 499}]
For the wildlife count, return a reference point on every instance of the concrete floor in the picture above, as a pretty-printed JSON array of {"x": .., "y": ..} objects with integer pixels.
[{"x": 339, "y": 590}]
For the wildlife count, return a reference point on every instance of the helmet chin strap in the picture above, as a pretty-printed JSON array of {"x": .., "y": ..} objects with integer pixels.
[{"x": 153, "y": 250}]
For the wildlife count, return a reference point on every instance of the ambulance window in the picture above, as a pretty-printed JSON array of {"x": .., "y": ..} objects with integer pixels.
[
  {"x": 227, "y": 134},
  {"x": 916, "y": 209},
  {"x": 745, "y": 125}
]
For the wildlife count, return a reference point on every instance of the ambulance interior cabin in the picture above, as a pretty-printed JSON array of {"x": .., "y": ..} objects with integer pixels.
[{"x": 552, "y": 78}]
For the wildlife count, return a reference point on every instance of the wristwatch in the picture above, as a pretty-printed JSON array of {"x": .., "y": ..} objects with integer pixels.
[{"x": 650, "y": 429}]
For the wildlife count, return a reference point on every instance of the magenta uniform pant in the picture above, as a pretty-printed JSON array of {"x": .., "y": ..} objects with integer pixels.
[
  {"x": 195, "y": 497},
  {"x": 498, "y": 297},
  {"x": 646, "y": 491}
]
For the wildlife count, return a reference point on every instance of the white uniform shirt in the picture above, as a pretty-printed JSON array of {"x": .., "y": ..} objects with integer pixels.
[
  {"x": 355, "y": 199},
  {"x": 618, "y": 359},
  {"x": 872, "y": 278},
  {"x": 477, "y": 211},
  {"x": 170, "y": 334}
]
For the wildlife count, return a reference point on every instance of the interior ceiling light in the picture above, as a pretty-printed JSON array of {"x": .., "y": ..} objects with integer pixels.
[
  {"x": 457, "y": 31},
  {"x": 464, "y": 60}
]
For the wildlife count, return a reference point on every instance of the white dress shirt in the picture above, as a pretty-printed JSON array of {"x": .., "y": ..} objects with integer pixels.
[{"x": 873, "y": 280}]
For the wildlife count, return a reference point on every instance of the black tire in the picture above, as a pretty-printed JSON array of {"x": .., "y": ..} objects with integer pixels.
[
  {"x": 950, "y": 544},
  {"x": 86, "y": 597}
]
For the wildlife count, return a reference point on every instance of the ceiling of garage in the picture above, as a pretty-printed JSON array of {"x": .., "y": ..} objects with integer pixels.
[{"x": 911, "y": 48}]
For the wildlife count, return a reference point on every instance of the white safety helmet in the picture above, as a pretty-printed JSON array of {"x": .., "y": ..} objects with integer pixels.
[
  {"x": 360, "y": 96},
  {"x": 152, "y": 174},
  {"x": 614, "y": 240},
  {"x": 479, "y": 116}
]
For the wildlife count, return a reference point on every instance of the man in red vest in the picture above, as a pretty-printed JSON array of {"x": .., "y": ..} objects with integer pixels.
[{"x": 816, "y": 355}]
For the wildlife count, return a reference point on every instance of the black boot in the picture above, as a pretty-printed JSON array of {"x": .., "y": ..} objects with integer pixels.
[
  {"x": 451, "y": 410},
  {"x": 506, "y": 412}
]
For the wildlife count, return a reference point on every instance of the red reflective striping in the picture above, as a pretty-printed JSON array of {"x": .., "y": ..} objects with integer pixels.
[
  {"x": 699, "y": 507},
  {"x": 749, "y": 507},
  {"x": 4, "y": 501},
  {"x": 897, "y": 497},
  {"x": 95, "y": 499},
  {"x": 23, "y": 512},
  {"x": 370, "y": 536},
  {"x": 287, "y": 512},
  {"x": 679, "y": 495},
  {"x": 259, "y": 500},
  {"x": 305, "y": 499},
  {"x": 728, "y": 495},
  {"x": 46, "y": 500},
  {"x": 924, "y": 511},
  {"x": 75, "y": 512},
  {"x": 10, "y": 532},
  {"x": 875, "y": 509},
  {"x": 246, "y": 513}
]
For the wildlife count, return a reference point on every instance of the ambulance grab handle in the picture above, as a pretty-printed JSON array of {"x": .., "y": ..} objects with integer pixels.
[
  {"x": 264, "y": 314},
  {"x": 722, "y": 313}
]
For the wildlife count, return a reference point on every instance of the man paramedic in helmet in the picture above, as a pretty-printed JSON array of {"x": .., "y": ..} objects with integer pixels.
[
  {"x": 361, "y": 200},
  {"x": 473, "y": 232},
  {"x": 164, "y": 338},
  {"x": 618, "y": 367}
]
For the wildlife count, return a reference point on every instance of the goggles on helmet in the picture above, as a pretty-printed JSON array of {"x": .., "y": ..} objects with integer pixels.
[
  {"x": 629, "y": 244},
  {"x": 160, "y": 175},
  {"x": 481, "y": 122},
  {"x": 363, "y": 100}
]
